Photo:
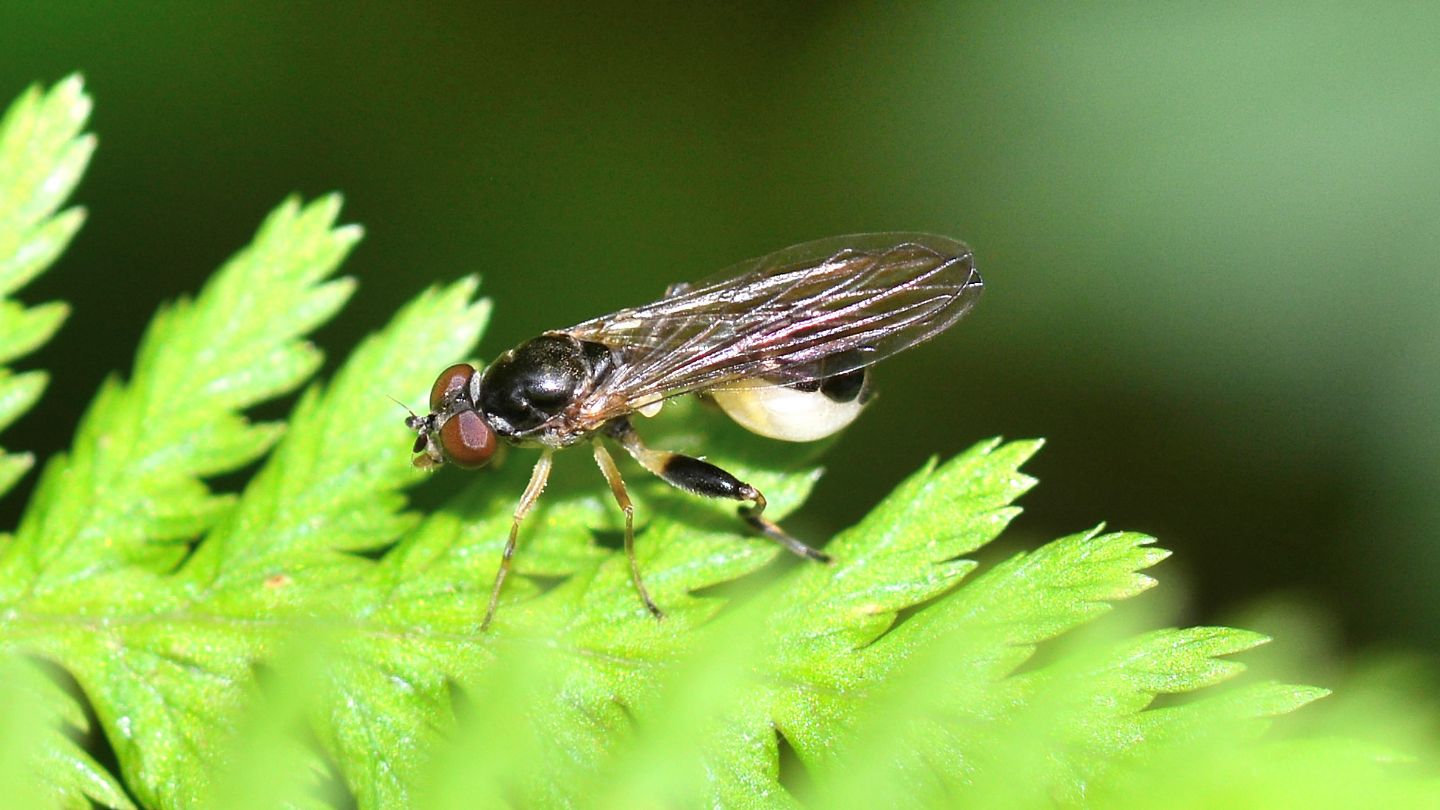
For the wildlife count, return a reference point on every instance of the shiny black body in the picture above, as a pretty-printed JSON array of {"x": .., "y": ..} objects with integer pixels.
[{"x": 530, "y": 386}]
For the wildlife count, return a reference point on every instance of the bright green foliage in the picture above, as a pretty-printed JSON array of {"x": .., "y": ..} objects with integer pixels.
[
  {"x": 308, "y": 639},
  {"x": 42, "y": 156}
]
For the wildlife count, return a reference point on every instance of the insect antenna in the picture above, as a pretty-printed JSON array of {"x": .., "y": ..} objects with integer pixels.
[{"x": 415, "y": 421}]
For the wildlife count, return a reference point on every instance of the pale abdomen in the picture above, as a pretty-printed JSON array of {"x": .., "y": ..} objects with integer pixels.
[{"x": 793, "y": 413}]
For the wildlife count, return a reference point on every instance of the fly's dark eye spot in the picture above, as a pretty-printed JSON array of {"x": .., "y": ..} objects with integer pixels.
[
  {"x": 466, "y": 440},
  {"x": 452, "y": 378}
]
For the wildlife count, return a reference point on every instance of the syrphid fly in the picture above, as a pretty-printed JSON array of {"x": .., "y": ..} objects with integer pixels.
[{"x": 782, "y": 343}]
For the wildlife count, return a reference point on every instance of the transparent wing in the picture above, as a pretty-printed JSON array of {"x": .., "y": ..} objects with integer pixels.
[{"x": 805, "y": 312}]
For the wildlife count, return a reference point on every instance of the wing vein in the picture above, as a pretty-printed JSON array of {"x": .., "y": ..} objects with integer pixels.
[{"x": 812, "y": 310}]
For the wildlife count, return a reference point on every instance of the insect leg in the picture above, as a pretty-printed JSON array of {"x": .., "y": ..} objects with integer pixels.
[
  {"x": 753, "y": 515},
  {"x": 703, "y": 478},
  {"x": 617, "y": 486},
  {"x": 536, "y": 486}
]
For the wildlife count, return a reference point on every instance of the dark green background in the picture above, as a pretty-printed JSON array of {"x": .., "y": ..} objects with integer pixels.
[{"x": 1209, "y": 231}]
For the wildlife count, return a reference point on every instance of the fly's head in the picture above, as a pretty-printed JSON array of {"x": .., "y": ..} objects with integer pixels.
[{"x": 454, "y": 431}]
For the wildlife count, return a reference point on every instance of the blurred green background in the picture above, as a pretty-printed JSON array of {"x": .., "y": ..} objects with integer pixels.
[{"x": 1209, "y": 232}]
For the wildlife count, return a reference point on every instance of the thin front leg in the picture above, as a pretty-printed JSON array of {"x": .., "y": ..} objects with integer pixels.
[
  {"x": 703, "y": 478},
  {"x": 538, "y": 477},
  {"x": 617, "y": 486}
]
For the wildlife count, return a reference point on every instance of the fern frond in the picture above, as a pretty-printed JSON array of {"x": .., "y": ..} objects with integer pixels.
[
  {"x": 131, "y": 491},
  {"x": 310, "y": 641},
  {"x": 42, "y": 157}
]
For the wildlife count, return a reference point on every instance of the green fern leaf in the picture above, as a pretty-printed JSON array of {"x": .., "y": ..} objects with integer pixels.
[
  {"x": 309, "y": 641},
  {"x": 42, "y": 156},
  {"x": 131, "y": 488}
]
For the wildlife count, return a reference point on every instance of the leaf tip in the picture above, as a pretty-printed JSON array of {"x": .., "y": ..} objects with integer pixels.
[
  {"x": 326, "y": 206},
  {"x": 1023, "y": 448},
  {"x": 72, "y": 84},
  {"x": 72, "y": 219},
  {"x": 349, "y": 233},
  {"x": 71, "y": 90},
  {"x": 468, "y": 284},
  {"x": 343, "y": 286}
]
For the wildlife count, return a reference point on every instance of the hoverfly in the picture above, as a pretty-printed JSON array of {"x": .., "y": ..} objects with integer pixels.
[{"x": 782, "y": 343}]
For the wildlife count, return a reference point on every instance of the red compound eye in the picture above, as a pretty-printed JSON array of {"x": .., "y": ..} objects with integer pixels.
[
  {"x": 466, "y": 440},
  {"x": 453, "y": 378}
]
